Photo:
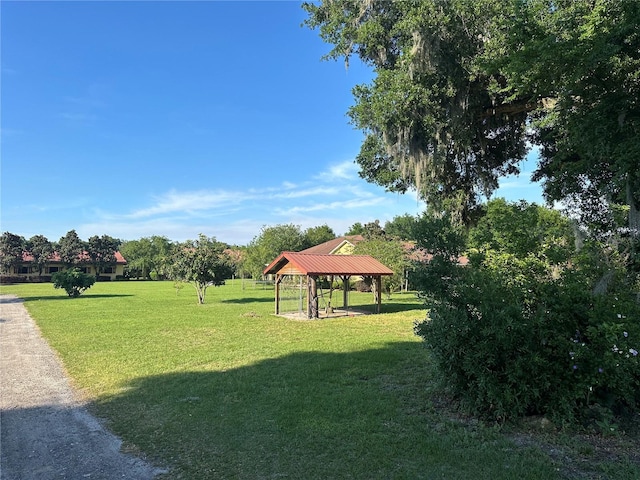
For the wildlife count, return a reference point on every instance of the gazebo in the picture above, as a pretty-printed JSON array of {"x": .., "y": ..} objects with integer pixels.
[{"x": 314, "y": 265}]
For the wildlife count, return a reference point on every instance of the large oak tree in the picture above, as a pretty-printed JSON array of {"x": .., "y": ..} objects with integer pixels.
[{"x": 461, "y": 87}]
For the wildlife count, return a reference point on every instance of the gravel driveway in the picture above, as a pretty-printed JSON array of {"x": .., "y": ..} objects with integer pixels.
[{"x": 45, "y": 431}]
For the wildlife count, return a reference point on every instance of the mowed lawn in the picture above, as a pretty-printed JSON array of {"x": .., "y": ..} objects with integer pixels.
[{"x": 228, "y": 390}]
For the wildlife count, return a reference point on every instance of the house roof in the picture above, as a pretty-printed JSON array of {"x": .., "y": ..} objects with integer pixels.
[
  {"x": 420, "y": 255},
  {"x": 331, "y": 246},
  {"x": 302, "y": 263},
  {"x": 84, "y": 258}
]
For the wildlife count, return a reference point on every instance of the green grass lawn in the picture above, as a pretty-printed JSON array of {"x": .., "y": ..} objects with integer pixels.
[{"x": 227, "y": 390}]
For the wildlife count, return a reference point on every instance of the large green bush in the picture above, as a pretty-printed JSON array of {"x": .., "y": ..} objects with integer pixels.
[
  {"x": 73, "y": 281},
  {"x": 535, "y": 326},
  {"x": 551, "y": 347}
]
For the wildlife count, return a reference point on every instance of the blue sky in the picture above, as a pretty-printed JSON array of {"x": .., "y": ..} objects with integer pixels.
[{"x": 134, "y": 119}]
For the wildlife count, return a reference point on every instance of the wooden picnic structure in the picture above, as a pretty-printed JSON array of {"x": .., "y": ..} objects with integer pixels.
[{"x": 314, "y": 266}]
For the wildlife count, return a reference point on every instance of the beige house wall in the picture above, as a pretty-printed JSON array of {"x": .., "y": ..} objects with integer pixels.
[
  {"x": 345, "y": 249},
  {"x": 30, "y": 272}
]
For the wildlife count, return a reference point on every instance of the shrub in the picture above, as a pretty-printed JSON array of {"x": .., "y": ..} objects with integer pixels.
[
  {"x": 511, "y": 343},
  {"x": 73, "y": 281},
  {"x": 362, "y": 286}
]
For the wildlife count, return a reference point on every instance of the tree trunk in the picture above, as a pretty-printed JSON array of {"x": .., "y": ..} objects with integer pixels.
[
  {"x": 329, "y": 308},
  {"x": 202, "y": 290},
  {"x": 378, "y": 294},
  {"x": 312, "y": 289},
  {"x": 345, "y": 292}
]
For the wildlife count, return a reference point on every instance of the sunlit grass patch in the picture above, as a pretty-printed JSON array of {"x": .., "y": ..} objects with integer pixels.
[{"x": 228, "y": 390}]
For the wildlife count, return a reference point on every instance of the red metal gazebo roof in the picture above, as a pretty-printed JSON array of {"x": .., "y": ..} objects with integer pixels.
[{"x": 313, "y": 264}]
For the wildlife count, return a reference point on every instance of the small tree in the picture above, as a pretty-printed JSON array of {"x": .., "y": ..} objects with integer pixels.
[
  {"x": 202, "y": 263},
  {"x": 11, "y": 247},
  {"x": 73, "y": 281},
  {"x": 102, "y": 252},
  {"x": 316, "y": 235},
  {"x": 271, "y": 242},
  {"x": 390, "y": 253},
  {"x": 147, "y": 257},
  {"x": 41, "y": 249},
  {"x": 70, "y": 248},
  {"x": 355, "y": 229}
]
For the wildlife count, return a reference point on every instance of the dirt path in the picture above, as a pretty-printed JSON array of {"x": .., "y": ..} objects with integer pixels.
[{"x": 45, "y": 431}]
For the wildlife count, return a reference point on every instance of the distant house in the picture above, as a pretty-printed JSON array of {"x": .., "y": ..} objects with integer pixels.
[
  {"x": 338, "y": 246},
  {"x": 419, "y": 255},
  {"x": 346, "y": 245},
  {"x": 27, "y": 271}
]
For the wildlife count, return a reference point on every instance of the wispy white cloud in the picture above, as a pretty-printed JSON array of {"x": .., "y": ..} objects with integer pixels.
[
  {"x": 315, "y": 191},
  {"x": 358, "y": 203},
  {"x": 197, "y": 202},
  {"x": 191, "y": 202},
  {"x": 335, "y": 197},
  {"x": 347, "y": 170}
]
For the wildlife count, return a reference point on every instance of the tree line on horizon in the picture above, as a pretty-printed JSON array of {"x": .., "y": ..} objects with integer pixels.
[{"x": 154, "y": 257}]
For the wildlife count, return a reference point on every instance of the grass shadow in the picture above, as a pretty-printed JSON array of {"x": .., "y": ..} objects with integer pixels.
[
  {"x": 387, "y": 307},
  {"x": 311, "y": 415},
  {"x": 248, "y": 300},
  {"x": 400, "y": 307}
]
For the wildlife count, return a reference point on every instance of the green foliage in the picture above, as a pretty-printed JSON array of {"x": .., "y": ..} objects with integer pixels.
[
  {"x": 373, "y": 230},
  {"x": 73, "y": 281},
  {"x": 317, "y": 235},
  {"x": 514, "y": 346},
  {"x": 402, "y": 227},
  {"x": 460, "y": 87},
  {"x": 587, "y": 59},
  {"x": 237, "y": 257},
  {"x": 41, "y": 250},
  {"x": 271, "y": 242},
  {"x": 390, "y": 253},
  {"x": 527, "y": 328},
  {"x": 431, "y": 119},
  {"x": 70, "y": 248},
  {"x": 101, "y": 251},
  {"x": 147, "y": 256},
  {"x": 521, "y": 228},
  {"x": 355, "y": 229},
  {"x": 202, "y": 262},
  {"x": 11, "y": 248}
]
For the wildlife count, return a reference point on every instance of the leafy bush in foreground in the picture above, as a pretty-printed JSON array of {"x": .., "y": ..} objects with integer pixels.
[
  {"x": 534, "y": 329},
  {"x": 73, "y": 281},
  {"x": 551, "y": 348}
]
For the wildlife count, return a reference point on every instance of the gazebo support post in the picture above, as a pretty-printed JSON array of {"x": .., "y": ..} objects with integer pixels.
[
  {"x": 345, "y": 291},
  {"x": 312, "y": 297},
  {"x": 277, "y": 285},
  {"x": 379, "y": 292}
]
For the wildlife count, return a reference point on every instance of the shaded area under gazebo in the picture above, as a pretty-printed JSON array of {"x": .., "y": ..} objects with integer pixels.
[{"x": 313, "y": 266}]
